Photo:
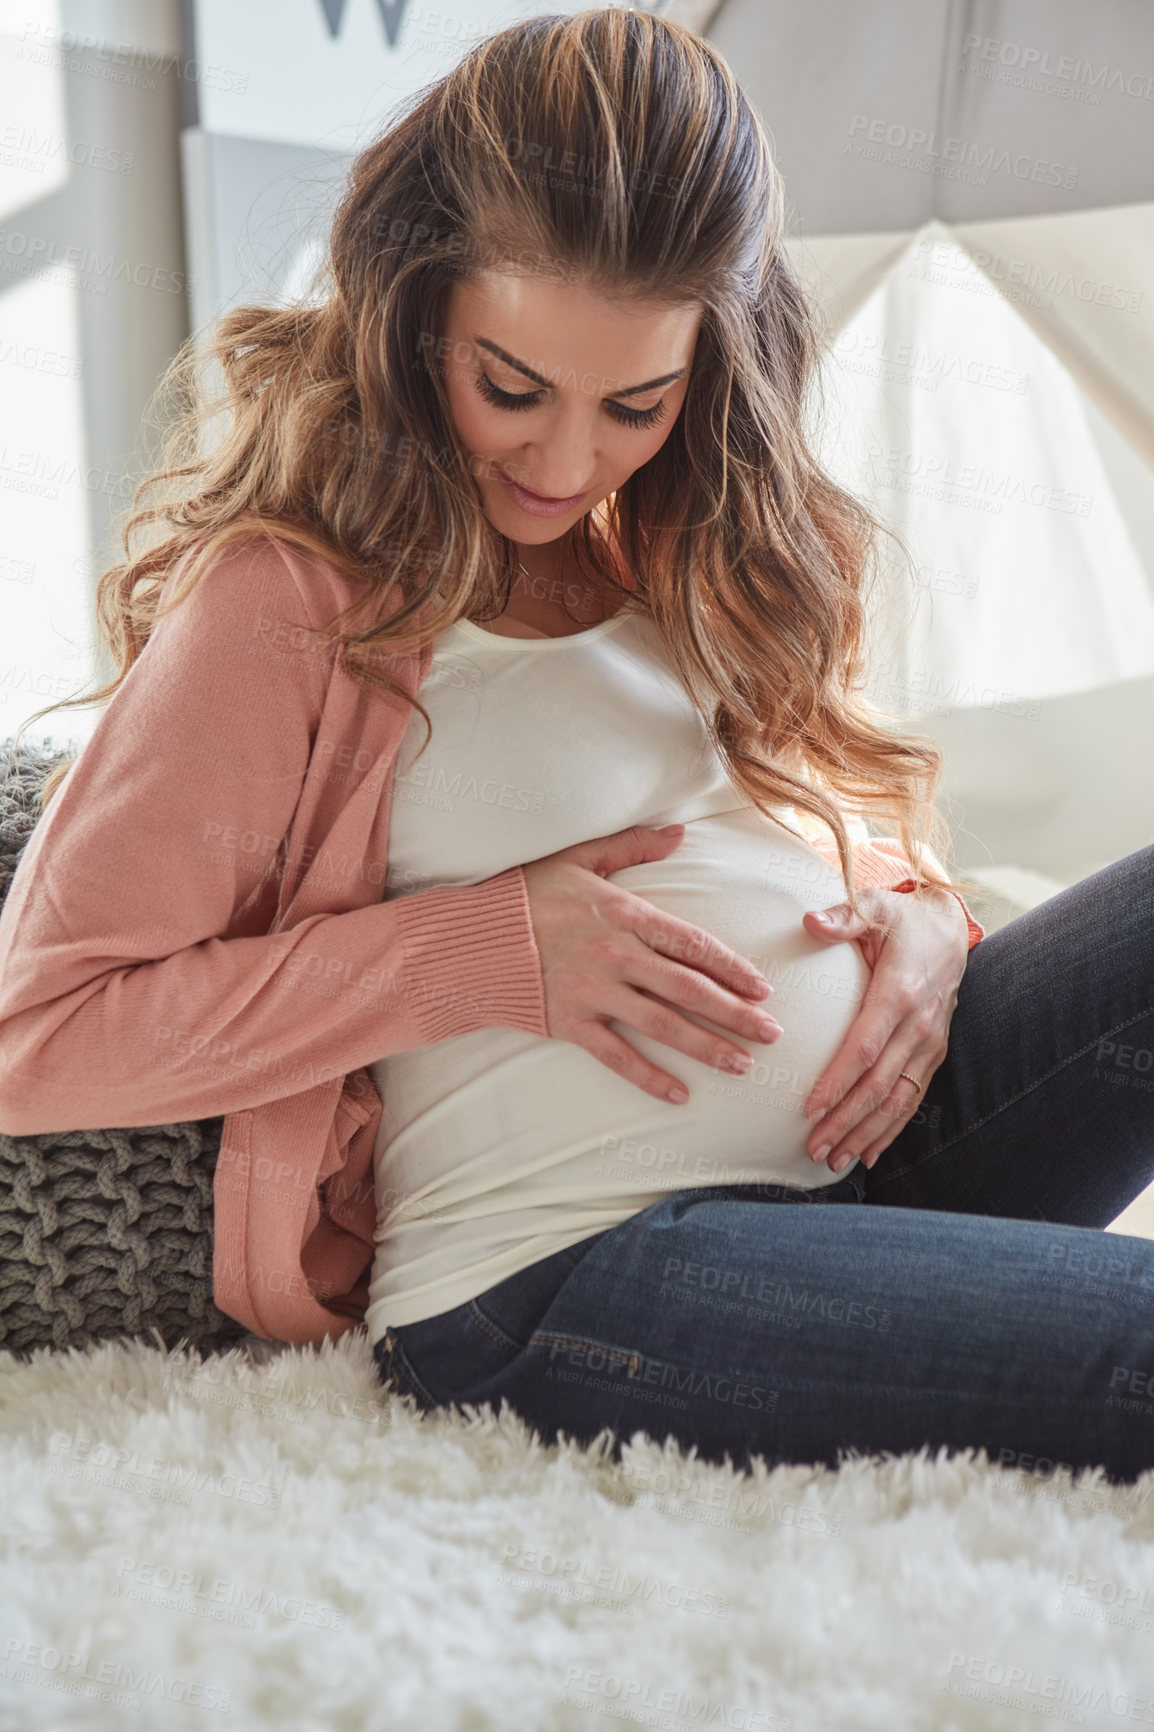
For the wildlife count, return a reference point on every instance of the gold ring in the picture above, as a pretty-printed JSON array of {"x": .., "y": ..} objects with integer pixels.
[{"x": 909, "y": 1078}]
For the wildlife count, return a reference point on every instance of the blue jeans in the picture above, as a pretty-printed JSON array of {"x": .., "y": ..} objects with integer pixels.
[{"x": 974, "y": 1303}]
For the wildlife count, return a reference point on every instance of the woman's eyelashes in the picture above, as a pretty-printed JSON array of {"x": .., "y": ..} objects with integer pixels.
[{"x": 529, "y": 400}]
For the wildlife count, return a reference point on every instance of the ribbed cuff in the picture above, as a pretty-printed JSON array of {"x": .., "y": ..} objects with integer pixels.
[
  {"x": 880, "y": 864},
  {"x": 977, "y": 933},
  {"x": 470, "y": 956},
  {"x": 874, "y": 868}
]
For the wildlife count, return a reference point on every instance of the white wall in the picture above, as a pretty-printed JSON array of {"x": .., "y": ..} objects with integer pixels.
[{"x": 93, "y": 305}]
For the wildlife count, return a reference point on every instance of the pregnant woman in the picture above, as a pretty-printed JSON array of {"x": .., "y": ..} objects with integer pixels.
[{"x": 546, "y": 425}]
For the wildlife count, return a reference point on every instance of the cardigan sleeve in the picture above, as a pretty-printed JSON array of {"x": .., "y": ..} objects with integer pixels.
[
  {"x": 880, "y": 861},
  {"x": 122, "y": 1000},
  {"x": 891, "y": 849}
]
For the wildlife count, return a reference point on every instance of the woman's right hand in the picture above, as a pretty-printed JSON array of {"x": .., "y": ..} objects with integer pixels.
[{"x": 607, "y": 954}]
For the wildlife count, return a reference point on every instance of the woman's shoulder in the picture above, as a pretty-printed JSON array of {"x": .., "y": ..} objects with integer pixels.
[{"x": 274, "y": 578}]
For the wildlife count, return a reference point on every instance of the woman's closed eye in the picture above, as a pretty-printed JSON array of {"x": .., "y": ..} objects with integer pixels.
[{"x": 529, "y": 400}]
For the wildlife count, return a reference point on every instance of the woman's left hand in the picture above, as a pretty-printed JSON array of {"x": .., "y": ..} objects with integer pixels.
[{"x": 917, "y": 964}]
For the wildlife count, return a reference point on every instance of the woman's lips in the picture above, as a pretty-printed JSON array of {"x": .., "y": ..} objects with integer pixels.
[{"x": 535, "y": 503}]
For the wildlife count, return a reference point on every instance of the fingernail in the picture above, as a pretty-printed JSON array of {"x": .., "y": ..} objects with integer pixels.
[
  {"x": 840, "y": 1165},
  {"x": 678, "y": 1096},
  {"x": 822, "y": 1153}
]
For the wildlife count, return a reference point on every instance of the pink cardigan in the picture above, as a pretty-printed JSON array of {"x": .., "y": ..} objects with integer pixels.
[{"x": 196, "y": 927}]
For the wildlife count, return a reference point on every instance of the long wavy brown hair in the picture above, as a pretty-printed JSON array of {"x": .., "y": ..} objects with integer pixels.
[{"x": 609, "y": 147}]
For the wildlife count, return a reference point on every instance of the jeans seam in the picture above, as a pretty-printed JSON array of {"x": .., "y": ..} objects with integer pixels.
[
  {"x": 492, "y": 1329},
  {"x": 931, "y": 1154},
  {"x": 401, "y": 1369}
]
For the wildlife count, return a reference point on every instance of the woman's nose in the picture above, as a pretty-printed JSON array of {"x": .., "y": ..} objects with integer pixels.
[
  {"x": 562, "y": 462},
  {"x": 554, "y": 476}
]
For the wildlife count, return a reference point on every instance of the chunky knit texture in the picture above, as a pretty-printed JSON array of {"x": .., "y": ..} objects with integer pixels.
[{"x": 103, "y": 1233}]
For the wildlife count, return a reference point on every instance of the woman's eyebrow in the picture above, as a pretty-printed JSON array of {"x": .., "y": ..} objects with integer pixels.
[{"x": 627, "y": 391}]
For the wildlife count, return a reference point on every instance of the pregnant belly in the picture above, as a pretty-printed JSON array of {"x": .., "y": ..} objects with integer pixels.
[
  {"x": 515, "y": 1118},
  {"x": 748, "y": 882}
]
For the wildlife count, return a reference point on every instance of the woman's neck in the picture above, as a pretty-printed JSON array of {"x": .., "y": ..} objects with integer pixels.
[{"x": 553, "y": 599}]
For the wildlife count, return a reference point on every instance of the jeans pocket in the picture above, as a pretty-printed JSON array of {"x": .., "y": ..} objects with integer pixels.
[
  {"x": 440, "y": 1359},
  {"x": 397, "y": 1373}
]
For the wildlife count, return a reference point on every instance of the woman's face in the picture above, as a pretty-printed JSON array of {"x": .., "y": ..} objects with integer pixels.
[{"x": 543, "y": 383}]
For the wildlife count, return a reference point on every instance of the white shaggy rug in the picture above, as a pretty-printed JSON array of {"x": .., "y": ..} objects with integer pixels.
[{"x": 283, "y": 1545}]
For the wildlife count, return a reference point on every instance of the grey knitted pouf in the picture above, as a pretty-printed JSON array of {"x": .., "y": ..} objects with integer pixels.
[{"x": 103, "y": 1233}]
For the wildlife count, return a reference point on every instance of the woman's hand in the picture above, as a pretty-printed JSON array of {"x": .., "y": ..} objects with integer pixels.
[
  {"x": 917, "y": 964},
  {"x": 607, "y": 954}
]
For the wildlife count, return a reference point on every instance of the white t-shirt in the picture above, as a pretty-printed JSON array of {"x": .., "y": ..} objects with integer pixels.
[{"x": 498, "y": 1148}]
